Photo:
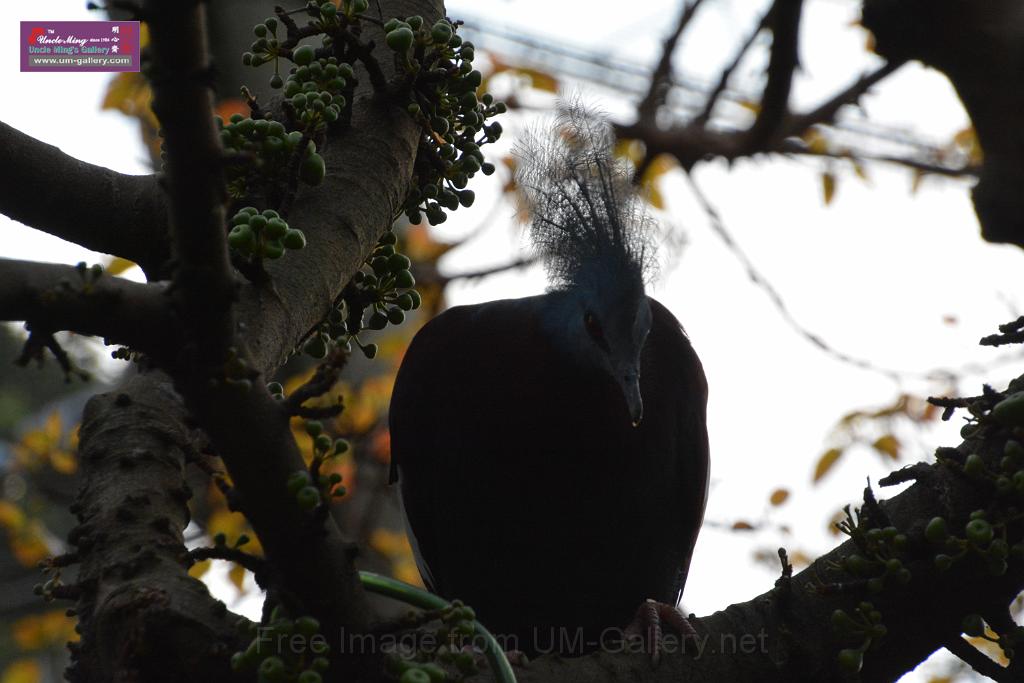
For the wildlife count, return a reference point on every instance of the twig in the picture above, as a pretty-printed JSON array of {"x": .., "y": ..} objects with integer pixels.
[
  {"x": 723, "y": 79},
  {"x": 913, "y": 472},
  {"x": 826, "y": 112},
  {"x": 755, "y": 276},
  {"x": 662, "y": 75},
  {"x": 521, "y": 262},
  {"x": 1010, "y": 333}
]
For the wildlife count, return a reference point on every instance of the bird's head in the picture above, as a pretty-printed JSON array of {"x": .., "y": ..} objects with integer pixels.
[
  {"x": 613, "y": 330},
  {"x": 590, "y": 226}
]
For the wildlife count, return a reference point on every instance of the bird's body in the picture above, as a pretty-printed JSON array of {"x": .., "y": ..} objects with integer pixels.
[
  {"x": 530, "y": 495},
  {"x": 552, "y": 450}
]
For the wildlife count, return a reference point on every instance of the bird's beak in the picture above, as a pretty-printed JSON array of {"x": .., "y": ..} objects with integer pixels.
[{"x": 631, "y": 392}]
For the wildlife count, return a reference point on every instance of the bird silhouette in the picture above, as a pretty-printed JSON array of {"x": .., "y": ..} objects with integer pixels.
[{"x": 552, "y": 450}]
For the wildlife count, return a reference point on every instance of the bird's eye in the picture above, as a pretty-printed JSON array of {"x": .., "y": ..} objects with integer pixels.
[{"x": 593, "y": 328}]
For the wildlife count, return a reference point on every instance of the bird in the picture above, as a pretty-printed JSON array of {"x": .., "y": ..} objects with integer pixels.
[{"x": 551, "y": 451}]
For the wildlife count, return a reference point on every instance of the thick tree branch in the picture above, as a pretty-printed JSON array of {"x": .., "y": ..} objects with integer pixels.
[
  {"x": 784, "y": 635},
  {"x": 56, "y": 297},
  {"x": 139, "y": 610},
  {"x": 368, "y": 170},
  {"x": 112, "y": 212},
  {"x": 182, "y": 100}
]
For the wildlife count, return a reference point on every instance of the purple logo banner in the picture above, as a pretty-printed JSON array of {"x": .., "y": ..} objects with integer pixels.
[{"x": 79, "y": 46}]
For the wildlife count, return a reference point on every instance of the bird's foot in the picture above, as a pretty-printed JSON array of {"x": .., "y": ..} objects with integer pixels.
[{"x": 648, "y": 623}]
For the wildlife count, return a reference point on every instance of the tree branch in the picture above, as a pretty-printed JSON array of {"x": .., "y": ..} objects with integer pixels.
[
  {"x": 826, "y": 112},
  {"x": 182, "y": 100},
  {"x": 723, "y": 79},
  {"x": 784, "y": 21},
  {"x": 783, "y": 635},
  {"x": 112, "y": 212},
  {"x": 134, "y": 590},
  {"x": 662, "y": 75},
  {"x": 56, "y": 297}
]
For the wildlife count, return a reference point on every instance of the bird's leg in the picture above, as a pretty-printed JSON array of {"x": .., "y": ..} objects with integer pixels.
[{"x": 648, "y": 621}]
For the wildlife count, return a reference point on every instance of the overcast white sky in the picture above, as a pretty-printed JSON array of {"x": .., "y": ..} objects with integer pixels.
[{"x": 876, "y": 274}]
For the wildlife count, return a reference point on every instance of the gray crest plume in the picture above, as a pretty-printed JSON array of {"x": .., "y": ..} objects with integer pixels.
[{"x": 586, "y": 220}]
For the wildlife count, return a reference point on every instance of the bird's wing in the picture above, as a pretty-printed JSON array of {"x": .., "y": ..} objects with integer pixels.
[{"x": 676, "y": 359}]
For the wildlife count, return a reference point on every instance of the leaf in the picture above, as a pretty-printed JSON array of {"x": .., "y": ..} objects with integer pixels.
[
  {"x": 742, "y": 526},
  {"x": 540, "y": 80},
  {"x": 197, "y": 570},
  {"x": 630, "y": 149},
  {"x": 649, "y": 183},
  {"x": 118, "y": 265},
  {"x": 43, "y": 630},
  {"x": 750, "y": 105},
  {"x": 915, "y": 183},
  {"x": 234, "y": 105},
  {"x": 833, "y": 527},
  {"x": 859, "y": 169},
  {"x": 888, "y": 445},
  {"x": 827, "y": 460},
  {"x": 828, "y": 187},
  {"x": 22, "y": 671},
  {"x": 237, "y": 576},
  {"x": 779, "y": 496},
  {"x": 815, "y": 141}
]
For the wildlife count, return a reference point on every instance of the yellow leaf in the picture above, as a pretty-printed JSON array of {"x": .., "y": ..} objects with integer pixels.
[
  {"x": 53, "y": 427},
  {"x": 799, "y": 558},
  {"x": 826, "y": 462},
  {"x": 779, "y": 496},
  {"x": 38, "y": 631},
  {"x": 540, "y": 80},
  {"x": 237, "y": 576},
  {"x": 888, "y": 445},
  {"x": 915, "y": 184},
  {"x": 11, "y": 515},
  {"x": 859, "y": 169},
  {"x": 750, "y": 105},
  {"x": 22, "y": 671},
  {"x": 839, "y": 516},
  {"x": 197, "y": 570},
  {"x": 631, "y": 150},
  {"x": 406, "y": 570},
  {"x": 991, "y": 649},
  {"x": 828, "y": 187},
  {"x": 654, "y": 197},
  {"x": 225, "y": 108},
  {"x": 659, "y": 166},
  {"x": 231, "y": 524},
  {"x": 28, "y": 546},
  {"x": 118, "y": 265},
  {"x": 63, "y": 462},
  {"x": 815, "y": 141},
  {"x": 390, "y": 543}
]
